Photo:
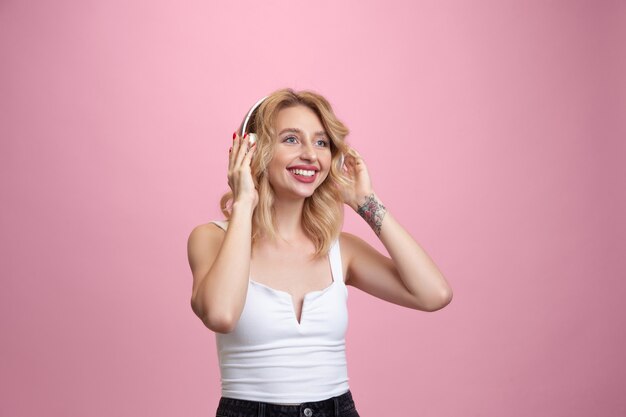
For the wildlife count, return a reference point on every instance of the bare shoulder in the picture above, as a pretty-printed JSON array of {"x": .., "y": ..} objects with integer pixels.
[
  {"x": 350, "y": 242},
  {"x": 346, "y": 241},
  {"x": 204, "y": 233},
  {"x": 349, "y": 246},
  {"x": 207, "y": 228},
  {"x": 203, "y": 244}
]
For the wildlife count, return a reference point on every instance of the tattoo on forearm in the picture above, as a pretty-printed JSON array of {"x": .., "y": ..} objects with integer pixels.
[{"x": 372, "y": 212}]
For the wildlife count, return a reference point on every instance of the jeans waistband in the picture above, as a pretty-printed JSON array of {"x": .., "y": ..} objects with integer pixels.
[{"x": 330, "y": 407}]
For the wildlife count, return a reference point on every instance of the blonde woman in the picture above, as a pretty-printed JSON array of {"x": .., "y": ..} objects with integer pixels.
[{"x": 270, "y": 280}]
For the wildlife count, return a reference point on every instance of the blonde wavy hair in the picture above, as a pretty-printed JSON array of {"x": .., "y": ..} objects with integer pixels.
[{"x": 322, "y": 215}]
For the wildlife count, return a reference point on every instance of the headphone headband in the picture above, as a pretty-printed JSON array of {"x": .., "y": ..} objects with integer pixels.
[{"x": 244, "y": 124}]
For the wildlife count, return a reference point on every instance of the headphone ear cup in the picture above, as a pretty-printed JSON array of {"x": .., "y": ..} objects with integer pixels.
[
  {"x": 251, "y": 138},
  {"x": 340, "y": 162}
]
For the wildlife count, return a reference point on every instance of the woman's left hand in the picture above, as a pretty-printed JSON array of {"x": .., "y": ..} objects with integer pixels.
[{"x": 361, "y": 186}]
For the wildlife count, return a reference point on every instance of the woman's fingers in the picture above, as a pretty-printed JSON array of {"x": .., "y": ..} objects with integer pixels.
[
  {"x": 248, "y": 157},
  {"x": 241, "y": 151},
  {"x": 356, "y": 159},
  {"x": 237, "y": 152},
  {"x": 239, "y": 175},
  {"x": 350, "y": 162},
  {"x": 233, "y": 151}
]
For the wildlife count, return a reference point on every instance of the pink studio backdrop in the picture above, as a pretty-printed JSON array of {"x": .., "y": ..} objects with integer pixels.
[{"x": 492, "y": 132}]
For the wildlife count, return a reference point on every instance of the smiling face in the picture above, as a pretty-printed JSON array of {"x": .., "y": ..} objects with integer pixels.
[{"x": 302, "y": 156}]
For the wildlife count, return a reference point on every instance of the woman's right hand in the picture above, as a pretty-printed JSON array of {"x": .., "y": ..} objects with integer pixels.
[{"x": 239, "y": 173}]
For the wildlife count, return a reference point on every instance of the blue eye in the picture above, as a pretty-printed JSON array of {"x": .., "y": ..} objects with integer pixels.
[
  {"x": 323, "y": 142},
  {"x": 289, "y": 137}
]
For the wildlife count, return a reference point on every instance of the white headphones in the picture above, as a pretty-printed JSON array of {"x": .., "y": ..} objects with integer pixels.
[{"x": 244, "y": 123}]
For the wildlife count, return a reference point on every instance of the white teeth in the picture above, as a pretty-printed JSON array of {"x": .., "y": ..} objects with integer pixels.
[{"x": 303, "y": 172}]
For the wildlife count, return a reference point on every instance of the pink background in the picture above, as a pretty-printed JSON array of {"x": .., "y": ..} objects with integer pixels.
[{"x": 492, "y": 132}]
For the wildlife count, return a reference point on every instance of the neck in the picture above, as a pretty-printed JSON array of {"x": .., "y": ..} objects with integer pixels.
[{"x": 289, "y": 218}]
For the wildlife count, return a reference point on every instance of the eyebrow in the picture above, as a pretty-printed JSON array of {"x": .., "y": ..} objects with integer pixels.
[{"x": 296, "y": 130}]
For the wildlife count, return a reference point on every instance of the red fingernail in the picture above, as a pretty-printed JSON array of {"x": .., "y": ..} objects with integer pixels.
[
  {"x": 234, "y": 135},
  {"x": 244, "y": 136}
]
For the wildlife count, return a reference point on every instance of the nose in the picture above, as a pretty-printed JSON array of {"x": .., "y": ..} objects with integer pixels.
[{"x": 308, "y": 152}]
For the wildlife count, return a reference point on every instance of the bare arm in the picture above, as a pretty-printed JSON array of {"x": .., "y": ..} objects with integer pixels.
[
  {"x": 220, "y": 263},
  {"x": 410, "y": 278}
]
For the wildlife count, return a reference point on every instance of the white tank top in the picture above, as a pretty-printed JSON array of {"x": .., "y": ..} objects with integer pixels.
[{"x": 271, "y": 357}]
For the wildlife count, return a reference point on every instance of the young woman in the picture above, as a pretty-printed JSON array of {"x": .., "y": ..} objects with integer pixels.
[{"x": 270, "y": 280}]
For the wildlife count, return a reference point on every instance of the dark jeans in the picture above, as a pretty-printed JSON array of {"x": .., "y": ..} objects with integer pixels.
[{"x": 340, "y": 406}]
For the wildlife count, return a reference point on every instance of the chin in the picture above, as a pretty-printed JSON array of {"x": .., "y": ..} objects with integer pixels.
[{"x": 305, "y": 194}]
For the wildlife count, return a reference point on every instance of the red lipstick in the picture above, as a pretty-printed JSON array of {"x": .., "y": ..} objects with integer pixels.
[{"x": 303, "y": 178}]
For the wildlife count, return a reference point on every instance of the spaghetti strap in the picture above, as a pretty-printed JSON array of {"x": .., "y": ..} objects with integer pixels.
[
  {"x": 335, "y": 261},
  {"x": 222, "y": 224}
]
